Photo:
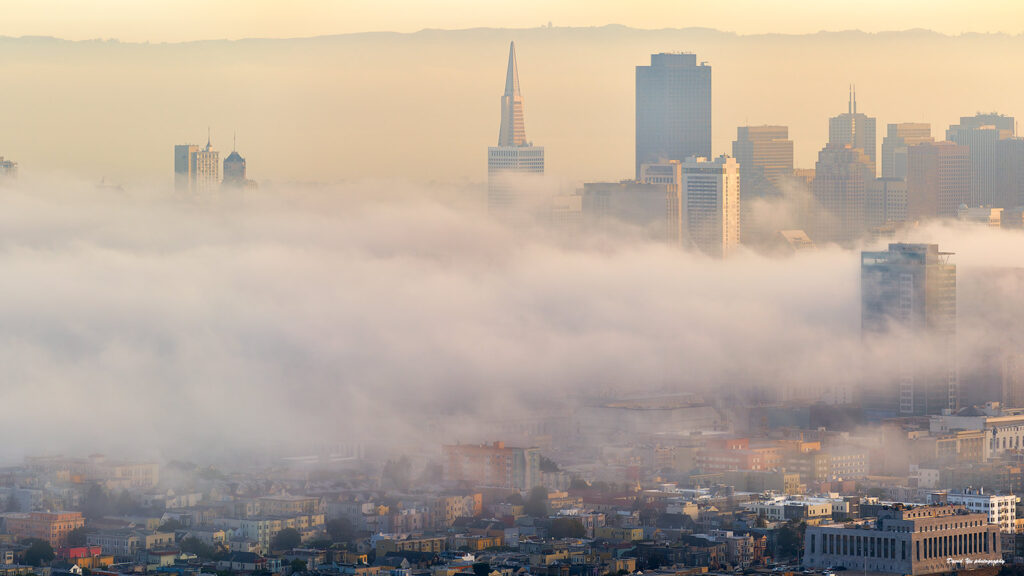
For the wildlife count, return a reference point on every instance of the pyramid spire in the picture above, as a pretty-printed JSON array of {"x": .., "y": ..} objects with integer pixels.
[
  {"x": 513, "y": 128},
  {"x": 512, "y": 76}
]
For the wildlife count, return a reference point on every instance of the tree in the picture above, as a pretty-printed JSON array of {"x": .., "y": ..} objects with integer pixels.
[
  {"x": 298, "y": 565},
  {"x": 339, "y": 529},
  {"x": 193, "y": 545},
  {"x": 481, "y": 569},
  {"x": 790, "y": 539},
  {"x": 286, "y": 539},
  {"x": 761, "y": 521},
  {"x": 77, "y": 537},
  {"x": 567, "y": 528},
  {"x": 515, "y": 498},
  {"x": 38, "y": 552},
  {"x": 96, "y": 503},
  {"x": 536, "y": 504}
]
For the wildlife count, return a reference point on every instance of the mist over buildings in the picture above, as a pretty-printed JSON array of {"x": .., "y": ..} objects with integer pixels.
[{"x": 391, "y": 313}]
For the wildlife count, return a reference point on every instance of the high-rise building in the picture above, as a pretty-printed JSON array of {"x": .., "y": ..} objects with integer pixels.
[
  {"x": 184, "y": 167},
  {"x": 234, "y": 171},
  {"x": 196, "y": 170},
  {"x": 709, "y": 205},
  {"x": 1010, "y": 184},
  {"x": 765, "y": 155},
  {"x": 841, "y": 179},
  {"x": 982, "y": 134},
  {"x": 908, "y": 322},
  {"x": 898, "y": 138},
  {"x": 514, "y": 156},
  {"x": 670, "y": 175},
  {"x": 886, "y": 202},
  {"x": 673, "y": 109},
  {"x": 8, "y": 168},
  {"x": 854, "y": 129},
  {"x": 938, "y": 180}
]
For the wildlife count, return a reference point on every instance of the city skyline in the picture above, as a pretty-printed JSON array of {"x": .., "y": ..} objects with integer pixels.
[{"x": 299, "y": 149}]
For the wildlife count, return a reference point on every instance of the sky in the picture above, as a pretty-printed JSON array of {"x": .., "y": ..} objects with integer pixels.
[{"x": 185, "y": 20}]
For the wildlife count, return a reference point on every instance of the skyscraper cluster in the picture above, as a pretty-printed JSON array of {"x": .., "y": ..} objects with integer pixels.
[{"x": 197, "y": 171}]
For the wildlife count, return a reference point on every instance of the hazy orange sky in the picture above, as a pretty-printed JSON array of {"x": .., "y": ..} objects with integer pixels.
[{"x": 183, "y": 20}]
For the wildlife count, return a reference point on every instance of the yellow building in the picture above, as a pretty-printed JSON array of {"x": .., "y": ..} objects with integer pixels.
[{"x": 388, "y": 545}]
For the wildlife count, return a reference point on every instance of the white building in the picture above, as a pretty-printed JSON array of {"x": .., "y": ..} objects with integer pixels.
[
  {"x": 196, "y": 170},
  {"x": 1001, "y": 510},
  {"x": 1004, "y": 428},
  {"x": 703, "y": 207}
]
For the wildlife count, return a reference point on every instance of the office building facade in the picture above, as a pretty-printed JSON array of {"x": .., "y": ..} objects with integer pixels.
[
  {"x": 841, "y": 179},
  {"x": 908, "y": 322},
  {"x": 910, "y": 541},
  {"x": 982, "y": 134},
  {"x": 898, "y": 139},
  {"x": 938, "y": 180},
  {"x": 673, "y": 109}
]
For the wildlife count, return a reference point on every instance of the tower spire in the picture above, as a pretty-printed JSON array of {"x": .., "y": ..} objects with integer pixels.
[
  {"x": 849, "y": 103},
  {"x": 512, "y": 75},
  {"x": 854, "y": 98},
  {"x": 513, "y": 128},
  {"x": 208, "y": 140}
]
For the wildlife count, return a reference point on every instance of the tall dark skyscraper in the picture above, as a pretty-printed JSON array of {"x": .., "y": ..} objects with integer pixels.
[
  {"x": 908, "y": 322},
  {"x": 514, "y": 154},
  {"x": 673, "y": 109}
]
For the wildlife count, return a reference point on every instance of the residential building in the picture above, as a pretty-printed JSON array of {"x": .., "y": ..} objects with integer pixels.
[
  {"x": 492, "y": 465},
  {"x": 673, "y": 109},
  {"x": 53, "y": 527},
  {"x": 667, "y": 174},
  {"x": 1000, "y": 509},
  {"x": 938, "y": 180},
  {"x": 908, "y": 297},
  {"x": 906, "y": 540},
  {"x": 982, "y": 134},
  {"x": 514, "y": 157},
  {"x": 856, "y": 130},
  {"x": 898, "y": 139}
]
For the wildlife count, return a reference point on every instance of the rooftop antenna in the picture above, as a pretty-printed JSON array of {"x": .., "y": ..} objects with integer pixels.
[{"x": 234, "y": 141}]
